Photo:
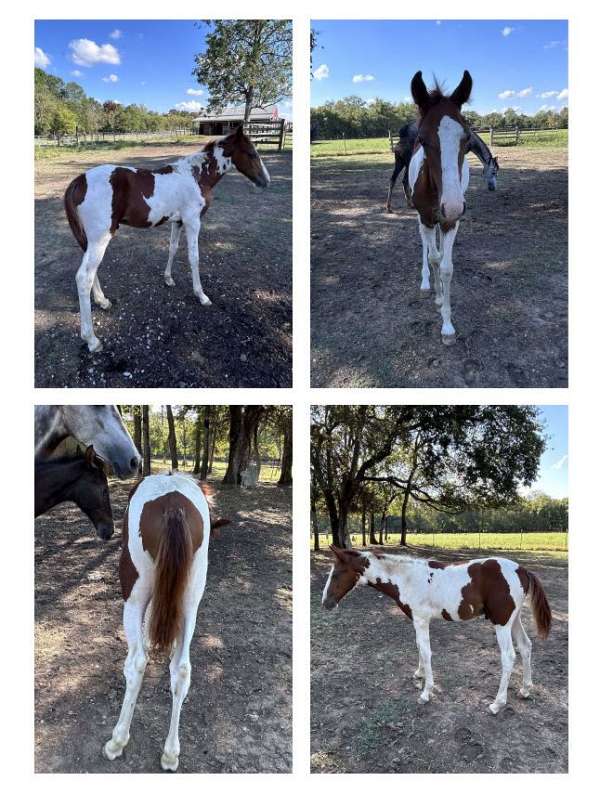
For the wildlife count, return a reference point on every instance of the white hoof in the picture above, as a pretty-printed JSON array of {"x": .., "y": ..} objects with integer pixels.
[
  {"x": 424, "y": 697},
  {"x": 425, "y": 290},
  {"x": 113, "y": 749},
  {"x": 169, "y": 762},
  {"x": 524, "y": 693},
  {"x": 496, "y": 707},
  {"x": 169, "y": 281},
  {"x": 204, "y": 300},
  {"x": 448, "y": 339},
  {"x": 105, "y": 304},
  {"x": 94, "y": 345}
]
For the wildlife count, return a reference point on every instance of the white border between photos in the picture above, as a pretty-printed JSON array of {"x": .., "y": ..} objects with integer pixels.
[{"x": 19, "y": 395}]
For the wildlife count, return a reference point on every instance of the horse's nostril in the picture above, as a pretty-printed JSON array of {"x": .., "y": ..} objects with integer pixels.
[{"x": 134, "y": 464}]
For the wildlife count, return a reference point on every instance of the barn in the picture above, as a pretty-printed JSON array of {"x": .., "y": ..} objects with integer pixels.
[{"x": 231, "y": 117}]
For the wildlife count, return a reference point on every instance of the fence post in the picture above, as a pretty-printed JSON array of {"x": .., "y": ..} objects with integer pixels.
[
  {"x": 281, "y": 134},
  {"x": 518, "y": 137}
]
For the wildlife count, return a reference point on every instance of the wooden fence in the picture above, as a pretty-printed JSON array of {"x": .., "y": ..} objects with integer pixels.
[
  {"x": 505, "y": 136},
  {"x": 267, "y": 133},
  {"x": 100, "y": 137}
]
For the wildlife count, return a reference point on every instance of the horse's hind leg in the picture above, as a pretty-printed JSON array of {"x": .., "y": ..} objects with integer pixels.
[
  {"x": 524, "y": 646},
  {"x": 422, "y": 632},
  {"x": 507, "y": 656},
  {"x": 135, "y": 665},
  {"x": 173, "y": 245},
  {"x": 85, "y": 281},
  {"x": 181, "y": 674},
  {"x": 397, "y": 168}
]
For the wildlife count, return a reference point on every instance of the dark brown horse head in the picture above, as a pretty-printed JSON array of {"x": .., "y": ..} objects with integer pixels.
[
  {"x": 244, "y": 156},
  {"x": 346, "y": 571},
  {"x": 444, "y": 135},
  {"x": 92, "y": 496}
]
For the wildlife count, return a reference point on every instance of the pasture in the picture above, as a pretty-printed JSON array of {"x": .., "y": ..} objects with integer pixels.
[
  {"x": 237, "y": 717},
  {"x": 156, "y": 336},
  {"x": 365, "y": 715},
  {"x": 371, "y": 327}
]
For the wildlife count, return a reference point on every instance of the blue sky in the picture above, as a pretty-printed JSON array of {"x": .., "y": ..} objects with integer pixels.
[
  {"x": 146, "y": 62},
  {"x": 521, "y": 63},
  {"x": 554, "y": 465}
]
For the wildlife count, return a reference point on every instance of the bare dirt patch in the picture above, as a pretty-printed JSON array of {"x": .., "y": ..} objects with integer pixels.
[
  {"x": 154, "y": 335},
  {"x": 365, "y": 714},
  {"x": 371, "y": 327},
  {"x": 238, "y": 713}
]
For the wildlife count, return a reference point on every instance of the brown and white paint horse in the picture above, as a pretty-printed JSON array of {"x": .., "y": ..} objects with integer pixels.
[
  {"x": 164, "y": 560},
  {"x": 426, "y": 590},
  {"x": 438, "y": 177},
  {"x": 101, "y": 199}
]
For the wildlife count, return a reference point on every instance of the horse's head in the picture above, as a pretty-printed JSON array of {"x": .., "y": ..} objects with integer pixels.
[
  {"x": 244, "y": 156},
  {"x": 490, "y": 171},
  {"x": 444, "y": 135},
  {"x": 92, "y": 497},
  {"x": 346, "y": 572},
  {"x": 101, "y": 426}
]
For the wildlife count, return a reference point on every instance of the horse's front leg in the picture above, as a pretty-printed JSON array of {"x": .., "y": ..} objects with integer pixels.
[
  {"x": 192, "y": 232},
  {"x": 422, "y": 632},
  {"x": 173, "y": 246},
  {"x": 86, "y": 275},
  {"x": 431, "y": 255},
  {"x": 446, "y": 270}
]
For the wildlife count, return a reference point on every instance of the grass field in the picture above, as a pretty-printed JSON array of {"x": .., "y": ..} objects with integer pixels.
[
  {"x": 497, "y": 541},
  {"x": 544, "y": 139}
]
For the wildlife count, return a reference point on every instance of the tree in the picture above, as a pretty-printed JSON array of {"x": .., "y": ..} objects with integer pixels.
[
  {"x": 243, "y": 430},
  {"x": 147, "y": 455},
  {"x": 62, "y": 122},
  {"x": 247, "y": 61},
  {"x": 136, "y": 411},
  {"x": 449, "y": 458},
  {"x": 285, "y": 478},
  {"x": 172, "y": 438},
  {"x": 206, "y": 446}
]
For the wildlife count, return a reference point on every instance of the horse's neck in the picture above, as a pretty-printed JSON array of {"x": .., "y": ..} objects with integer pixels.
[
  {"x": 390, "y": 567},
  {"x": 54, "y": 483},
  {"x": 479, "y": 149},
  {"x": 201, "y": 160},
  {"x": 49, "y": 430}
]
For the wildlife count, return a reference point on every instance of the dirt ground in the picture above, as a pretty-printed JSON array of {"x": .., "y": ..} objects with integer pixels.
[
  {"x": 154, "y": 335},
  {"x": 371, "y": 327},
  {"x": 238, "y": 713},
  {"x": 365, "y": 714}
]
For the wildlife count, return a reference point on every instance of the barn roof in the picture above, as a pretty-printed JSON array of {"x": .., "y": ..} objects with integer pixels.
[{"x": 237, "y": 114}]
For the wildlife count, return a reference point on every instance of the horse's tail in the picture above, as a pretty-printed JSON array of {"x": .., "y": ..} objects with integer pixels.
[
  {"x": 173, "y": 563},
  {"x": 540, "y": 606},
  {"x": 74, "y": 195}
]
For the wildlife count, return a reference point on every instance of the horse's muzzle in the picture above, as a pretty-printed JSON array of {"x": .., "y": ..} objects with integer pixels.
[
  {"x": 329, "y": 603},
  {"x": 105, "y": 529}
]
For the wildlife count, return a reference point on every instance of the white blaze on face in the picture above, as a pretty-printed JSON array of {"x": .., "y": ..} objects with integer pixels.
[
  {"x": 265, "y": 172},
  {"x": 450, "y": 133},
  {"x": 326, "y": 588}
]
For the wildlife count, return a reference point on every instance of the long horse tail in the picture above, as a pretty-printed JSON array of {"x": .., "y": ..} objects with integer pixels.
[
  {"x": 74, "y": 195},
  {"x": 540, "y": 606},
  {"x": 173, "y": 563}
]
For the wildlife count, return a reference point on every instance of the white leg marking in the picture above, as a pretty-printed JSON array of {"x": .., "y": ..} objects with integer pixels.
[
  {"x": 173, "y": 245},
  {"x": 507, "y": 656},
  {"x": 446, "y": 269},
  {"x": 422, "y": 632},
  {"x": 135, "y": 665},
  {"x": 99, "y": 297},
  {"x": 192, "y": 230},
  {"x": 85, "y": 280},
  {"x": 524, "y": 646}
]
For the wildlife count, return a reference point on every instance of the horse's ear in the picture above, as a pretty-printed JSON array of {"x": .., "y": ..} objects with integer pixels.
[
  {"x": 339, "y": 553},
  {"x": 239, "y": 132},
  {"x": 419, "y": 91},
  {"x": 462, "y": 92}
]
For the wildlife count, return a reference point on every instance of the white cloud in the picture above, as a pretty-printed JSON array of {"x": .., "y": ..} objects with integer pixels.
[
  {"x": 371, "y": 101},
  {"x": 111, "y": 78},
  {"x": 321, "y": 72},
  {"x": 525, "y": 91},
  {"x": 546, "y": 94},
  {"x": 192, "y": 106},
  {"x": 194, "y": 91},
  {"x": 408, "y": 99},
  {"x": 363, "y": 78},
  {"x": 40, "y": 58},
  {"x": 438, "y": 21},
  {"x": 560, "y": 462},
  {"x": 116, "y": 34},
  {"x": 506, "y": 31},
  {"x": 506, "y": 94},
  {"x": 87, "y": 53},
  {"x": 564, "y": 94},
  {"x": 76, "y": 73},
  {"x": 551, "y": 45}
]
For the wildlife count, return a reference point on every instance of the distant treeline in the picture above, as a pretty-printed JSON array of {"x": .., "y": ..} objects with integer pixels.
[
  {"x": 62, "y": 108},
  {"x": 353, "y": 117}
]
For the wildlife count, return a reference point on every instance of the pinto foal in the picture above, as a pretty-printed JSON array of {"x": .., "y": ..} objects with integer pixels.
[
  {"x": 101, "y": 199},
  {"x": 438, "y": 177},
  {"x": 427, "y": 589},
  {"x": 164, "y": 560}
]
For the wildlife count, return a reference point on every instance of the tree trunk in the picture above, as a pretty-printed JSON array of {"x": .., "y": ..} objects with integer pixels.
[
  {"x": 172, "y": 439},
  {"x": 315, "y": 525},
  {"x": 137, "y": 427},
  {"x": 403, "y": 527},
  {"x": 381, "y": 529},
  {"x": 213, "y": 444},
  {"x": 372, "y": 536},
  {"x": 242, "y": 435},
  {"x": 248, "y": 107},
  {"x": 363, "y": 521},
  {"x": 146, "y": 456},
  {"x": 206, "y": 448},
  {"x": 197, "y": 441},
  {"x": 285, "y": 477}
]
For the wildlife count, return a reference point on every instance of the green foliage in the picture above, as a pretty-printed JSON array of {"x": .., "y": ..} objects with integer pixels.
[
  {"x": 353, "y": 117},
  {"x": 246, "y": 61}
]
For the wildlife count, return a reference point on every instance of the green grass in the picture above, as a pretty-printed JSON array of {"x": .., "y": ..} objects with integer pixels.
[
  {"x": 267, "y": 474},
  {"x": 543, "y": 139},
  {"x": 497, "y": 541}
]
